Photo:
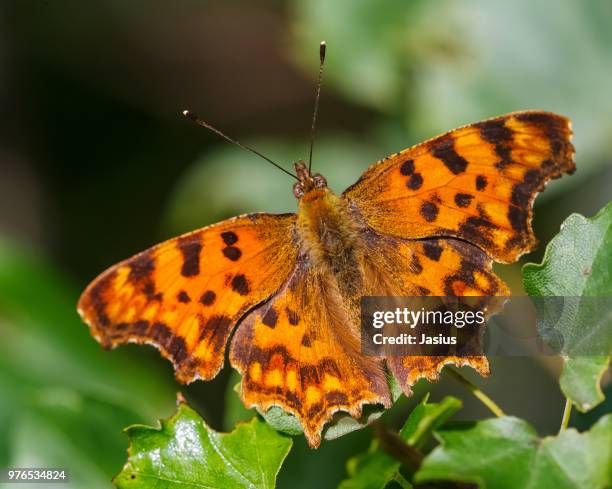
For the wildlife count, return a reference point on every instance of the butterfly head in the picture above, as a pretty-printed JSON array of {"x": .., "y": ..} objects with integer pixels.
[{"x": 307, "y": 182}]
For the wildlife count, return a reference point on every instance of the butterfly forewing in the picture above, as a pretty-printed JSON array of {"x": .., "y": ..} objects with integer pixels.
[
  {"x": 476, "y": 183},
  {"x": 186, "y": 294}
]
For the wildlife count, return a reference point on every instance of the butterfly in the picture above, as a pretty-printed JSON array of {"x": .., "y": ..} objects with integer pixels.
[{"x": 429, "y": 220}]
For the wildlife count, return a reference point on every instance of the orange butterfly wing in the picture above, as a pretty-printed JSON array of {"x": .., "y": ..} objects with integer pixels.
[
  {"x": 476, "y": 183},
  {"x": 301, "y": 351},
  {"x": 473, "y": 190},
  {"x": 185, "y": 295},
  {"x": 432, "y": 267}
]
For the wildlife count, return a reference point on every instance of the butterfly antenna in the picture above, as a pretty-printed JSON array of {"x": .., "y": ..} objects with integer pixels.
[
  {"x": 203, "y": 123},
  {"x": 316, "y": 104}
]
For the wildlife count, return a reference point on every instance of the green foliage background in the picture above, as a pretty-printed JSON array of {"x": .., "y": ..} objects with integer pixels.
[{"x": 97, "y": 164}]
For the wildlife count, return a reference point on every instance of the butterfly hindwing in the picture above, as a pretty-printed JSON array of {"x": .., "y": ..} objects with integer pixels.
[
  {"x": 301, "y": 351},
  {"x": 476, "y": 183},
  {"x": 428, "y": 267},
  {"x": 441, "y": 267},
  {"x": 185, "y": 295}
]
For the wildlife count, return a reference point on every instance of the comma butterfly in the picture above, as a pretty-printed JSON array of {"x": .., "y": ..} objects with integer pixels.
[{"x": 429, "y": 220}]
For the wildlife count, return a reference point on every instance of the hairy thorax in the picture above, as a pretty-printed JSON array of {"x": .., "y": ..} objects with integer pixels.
[{"x": 330, "y": 241}]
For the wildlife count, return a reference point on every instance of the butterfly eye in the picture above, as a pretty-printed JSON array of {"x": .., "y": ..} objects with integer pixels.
[
  {"x": 319, "y": 181},
  {"x": 298, "y": 190}
]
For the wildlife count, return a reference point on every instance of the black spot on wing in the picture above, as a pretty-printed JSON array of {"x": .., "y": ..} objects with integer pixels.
[
  {"x": 208, "y": 298},
  {"x": 190, "y": 248},
  {"x": 444, "y": 149},
  {"x": 161, "y": 334},
  {"x": 497, "y": 133},
  {"x": 481, "y": 182},
  {"x": 518, "y": 219},
  {"x": 463, "y": 200},
  {"x": 97, "y": 297},
  {"x": 536, "y": 118},
  {"x": 429, "y": 211},
  {"x": 177, "y": 349},
  {"x": 141, "y": 266},
  {"x": 415, "y": 181},
  {"x": 407, "y": 168},
  {"x": 556, "y": 145},
  {"x": 477, "y": 229},
  {"x": 229, "y": 237},
  {"x": 420, "y": 290},
  {"x": 240, "y": 284},
  {"x": 270, "y": 318},
  {"x": 432, "y": 250},
  {"x": 232, "y": 253},
  {"x": 148, "y": 289},
  {"x": 522, "y": 192},
  {"x": 141, "y": 275},
  {"x": 292, "y": 316},
  {"x": 183, "y": 297}
]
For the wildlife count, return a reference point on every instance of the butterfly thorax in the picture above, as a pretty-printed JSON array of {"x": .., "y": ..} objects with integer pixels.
[{"x": 328, "y": 238}]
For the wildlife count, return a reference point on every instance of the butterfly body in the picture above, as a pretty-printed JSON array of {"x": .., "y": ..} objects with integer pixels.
[
  {"x": 429, "y": 220},
  {"x": 329, "y": 238}
]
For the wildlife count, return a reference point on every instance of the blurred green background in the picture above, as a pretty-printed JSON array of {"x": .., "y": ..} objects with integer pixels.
[{"x": 96, "y": 164}]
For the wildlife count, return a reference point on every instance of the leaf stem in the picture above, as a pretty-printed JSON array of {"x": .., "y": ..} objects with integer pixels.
[
  {"x": 567, "y": 412},
  {"x": 481, "y": 396},
  {"x": 401, "y": 480}
]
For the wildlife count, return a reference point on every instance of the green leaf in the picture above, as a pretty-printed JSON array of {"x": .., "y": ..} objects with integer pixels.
[
  {"x": 573, "y": 460},
  {"x": 578, "y": 262},
  {"x": 580, "y": 380},
  {"x": 495, "y": 453},
  {"x": 426, "y": 417},
  {"x": 375, "y": 469},
  {"x": 505, "y": 453},
  {"x": 184, "y": 452}
]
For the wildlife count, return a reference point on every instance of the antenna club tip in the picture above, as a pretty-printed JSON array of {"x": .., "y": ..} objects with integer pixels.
[{"x": 189, "y": 115}]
